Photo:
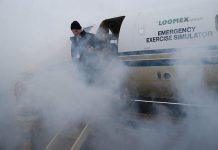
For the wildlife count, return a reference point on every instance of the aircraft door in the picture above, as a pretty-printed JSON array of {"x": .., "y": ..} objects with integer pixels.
[{"x": 108, "y": 33}]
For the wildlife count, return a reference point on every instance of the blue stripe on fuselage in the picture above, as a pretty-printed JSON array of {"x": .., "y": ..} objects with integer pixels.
[
  {"x": 166, "y": 62},
  {"x": 170, "y": 62},
  {"x": 160, "y": 51}
]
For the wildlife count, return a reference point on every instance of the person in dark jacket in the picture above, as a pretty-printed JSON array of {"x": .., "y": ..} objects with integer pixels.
[
  {"x": 83, "y": 50},
  {"x": 82, "y": 41}
]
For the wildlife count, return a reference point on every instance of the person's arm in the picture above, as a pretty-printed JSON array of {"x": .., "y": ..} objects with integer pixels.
[
  {"x": 74, "y": 52},
  {"x": 19, "y": 90},
  {"x": 72, "y": 46}
]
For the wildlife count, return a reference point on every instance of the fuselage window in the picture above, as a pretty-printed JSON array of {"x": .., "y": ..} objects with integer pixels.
[{"x": 216, "y": 20}]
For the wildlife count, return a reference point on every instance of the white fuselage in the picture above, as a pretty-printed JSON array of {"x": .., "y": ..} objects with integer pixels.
[{"x": 153, "y": 44}]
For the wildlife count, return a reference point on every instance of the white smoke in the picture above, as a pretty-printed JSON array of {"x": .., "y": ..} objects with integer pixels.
[
  {"x": 35, "y": 37},
  {"x": 195, "y": 130},
  {"x": 37, "y": 32},
  {"x": 193, "y": 88}
]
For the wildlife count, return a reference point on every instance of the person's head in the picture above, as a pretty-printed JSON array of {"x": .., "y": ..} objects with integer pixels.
[{"x": 76, "y": 28}]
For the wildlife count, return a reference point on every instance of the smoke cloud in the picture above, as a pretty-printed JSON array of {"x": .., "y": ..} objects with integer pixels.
[{"x": 35, "y": 36}]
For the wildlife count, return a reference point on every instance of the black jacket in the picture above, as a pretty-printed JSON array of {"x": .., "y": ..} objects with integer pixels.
[{"x": 80, "y": 46}]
